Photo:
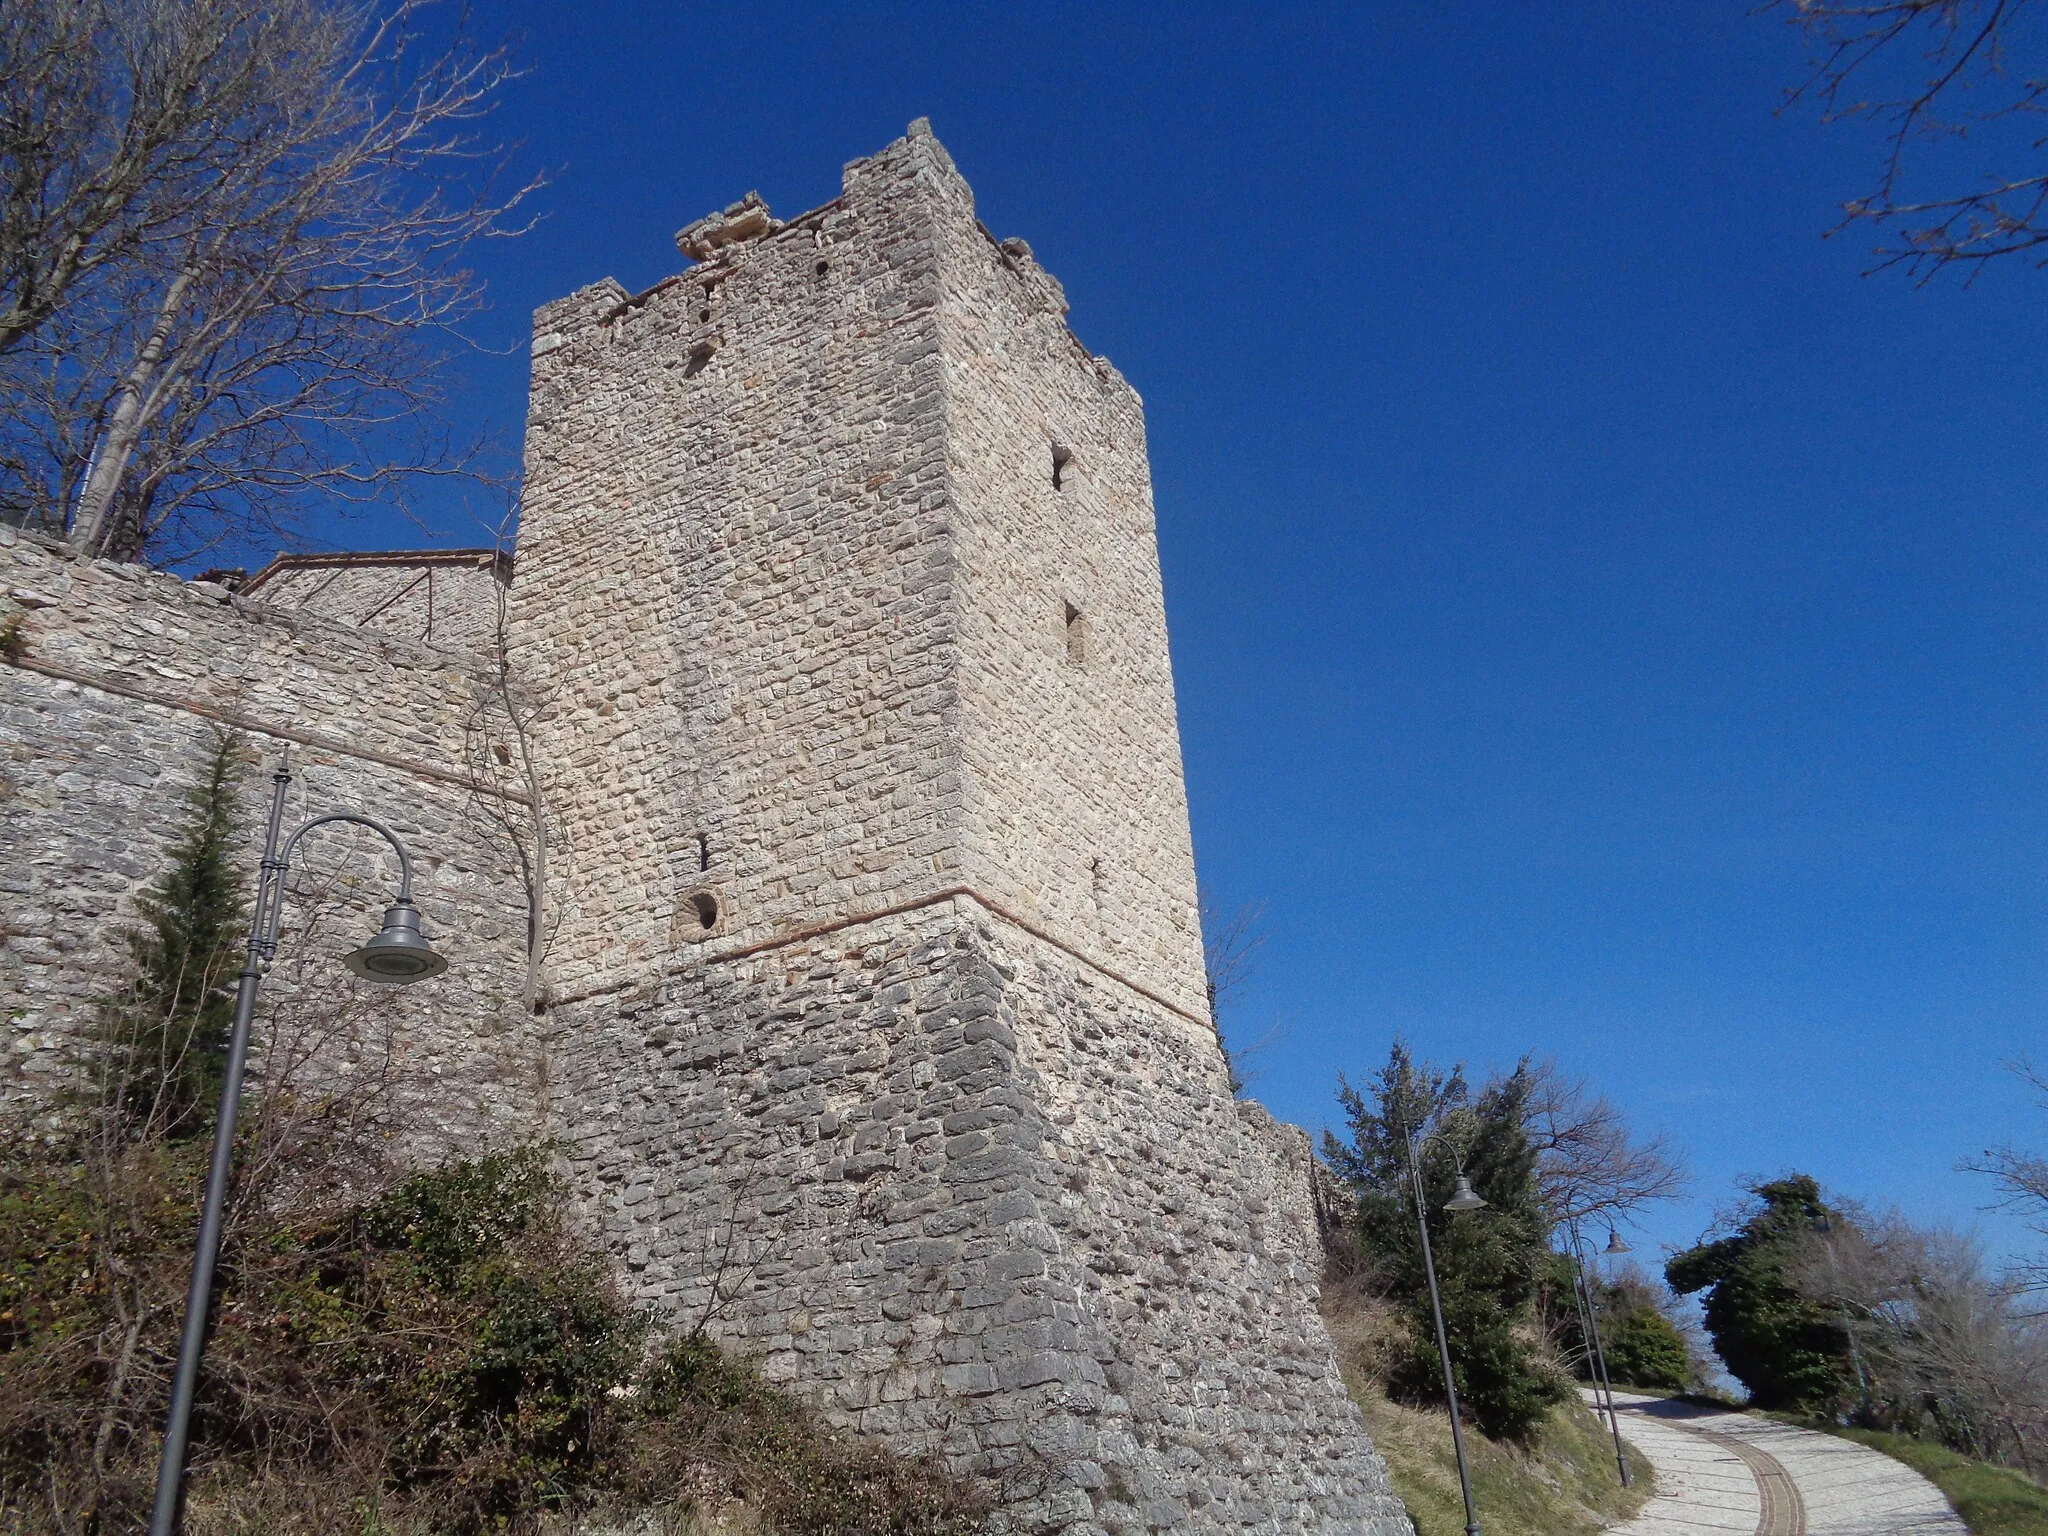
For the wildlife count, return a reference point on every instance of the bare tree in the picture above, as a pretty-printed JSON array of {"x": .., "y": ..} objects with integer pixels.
[
  {"x": 1589, "y": 1164},
  {"x": 1229, "y": 943},
  {"x": 2021, "y": 1178},
  {"x": 1942, "y": 1346},
  {"x": 1927, "y": 71},
  {"x": 269, "y": 315},
  {"x": 96, "y": 158}
]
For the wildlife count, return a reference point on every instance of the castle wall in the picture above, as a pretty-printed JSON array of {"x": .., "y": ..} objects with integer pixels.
[
  {"x": 933, "y": 1119},
  {"x": 437, "y": 597},
  {"x": 971, "y": 1194},
  {"x": 1076, "y": 806},
  {"x": 110, "y": 705}
]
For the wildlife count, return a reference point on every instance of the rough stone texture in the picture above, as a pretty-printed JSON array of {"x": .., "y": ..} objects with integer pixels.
[
  {"x": 930, "y": 1112},
  {"x": 108, "y": 715},
  {"x": 876, "y": 1027}
]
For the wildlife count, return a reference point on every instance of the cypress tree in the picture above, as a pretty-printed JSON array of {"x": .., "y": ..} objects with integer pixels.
[{"x": 168, "y": 1032}]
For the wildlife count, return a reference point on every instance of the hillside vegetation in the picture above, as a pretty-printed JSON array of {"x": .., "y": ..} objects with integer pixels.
[{"x": 1559, "y": 1481}]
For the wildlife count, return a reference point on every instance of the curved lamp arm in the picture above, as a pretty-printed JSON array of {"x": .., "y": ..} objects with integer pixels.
[
  {"x": 284, "y": 859},
  {"x": 270, "y": 885}
]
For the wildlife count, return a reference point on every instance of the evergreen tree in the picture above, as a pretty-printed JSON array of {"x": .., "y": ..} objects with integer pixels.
[
  {"x": 167, "y": 1034},
  {"x": 1490, "y": 1263},
  {"x": 1789, "y": 1352}
]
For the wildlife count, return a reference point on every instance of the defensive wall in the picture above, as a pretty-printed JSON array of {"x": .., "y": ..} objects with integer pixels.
[
  {"x": 872, "y": 1015},
  {"x": 118, "y": 683},
  {"x": 884, "y": 1050}
]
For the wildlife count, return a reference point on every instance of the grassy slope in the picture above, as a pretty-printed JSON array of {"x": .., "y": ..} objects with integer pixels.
[
  {"x": 1565, "y": 1486},
  {"x": 1993, "y": 1501}
]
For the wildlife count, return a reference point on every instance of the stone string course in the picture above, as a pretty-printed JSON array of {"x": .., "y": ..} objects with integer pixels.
[{"x": 875, "y": 1029}]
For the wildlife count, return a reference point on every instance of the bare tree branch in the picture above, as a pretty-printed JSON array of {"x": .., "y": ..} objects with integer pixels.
[
  {"x": 1588, "y": 1162},
  {"x": 1935, "y": 70},
  {"x": 276, "y": 324},
  {"x": 2021, "y": 1179}
]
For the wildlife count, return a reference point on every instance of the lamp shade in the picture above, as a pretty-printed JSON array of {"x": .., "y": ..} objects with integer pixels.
[
  {"x": 400, "y": 951},
  {"x": 1615, "y": 1244},
  {"x": 1464, "y": 1197}
]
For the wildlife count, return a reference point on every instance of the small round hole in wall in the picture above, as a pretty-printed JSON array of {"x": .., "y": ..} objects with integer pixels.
[
  {"x": 700, "y": 914},
  {"x": 703, "y": 314},
  {"x": 822, "y": 268}
]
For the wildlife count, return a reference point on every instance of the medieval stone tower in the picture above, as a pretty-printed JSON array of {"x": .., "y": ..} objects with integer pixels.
[
  {"x": 880, "y": 1032},
  {"x": 851, "y": 809}
]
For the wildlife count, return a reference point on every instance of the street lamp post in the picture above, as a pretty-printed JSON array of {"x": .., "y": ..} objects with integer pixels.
[
  {"x": 1590, "y": 1311},
  {"x": 399, "y": 952},
  {"x": 1463, "y": 1198}
]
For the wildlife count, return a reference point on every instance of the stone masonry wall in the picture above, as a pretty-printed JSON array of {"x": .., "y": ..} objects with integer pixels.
[
  {"x": 119, "y": 684},
  {"x": 1076, "y": 805},
  {"x": 968, "y": 1193},
  {"x": 437, "y": 597},
  {"x": 734, "y": 590},
  {"x": 881, "y": 1043}
]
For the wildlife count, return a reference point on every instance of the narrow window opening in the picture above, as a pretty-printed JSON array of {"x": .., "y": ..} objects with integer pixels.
[
  {"x": 1077, "y": 636},
  {"x": 1062, "y": 456},
  {"x": 1095, "y": 884},
  {"x": 705, "y": 906},
  {"x": 703, "y": 853}
]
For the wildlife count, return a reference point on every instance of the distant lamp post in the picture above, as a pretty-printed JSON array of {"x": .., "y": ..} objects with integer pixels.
[
  {"x": 399, "y": 953},
  {"x": 1590, "y": 1310},
  {"x": 1463, "y": 1198}
]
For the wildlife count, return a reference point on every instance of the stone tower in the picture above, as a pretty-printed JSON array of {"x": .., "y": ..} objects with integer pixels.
[{"x": 879, "y": 1035}]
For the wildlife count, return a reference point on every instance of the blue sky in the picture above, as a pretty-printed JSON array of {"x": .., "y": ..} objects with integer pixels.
[{"x": 1606, "y": 624}]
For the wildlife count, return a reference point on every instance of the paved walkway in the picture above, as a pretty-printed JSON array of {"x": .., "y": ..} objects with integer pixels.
[{"x": 1730, "y": 1472}]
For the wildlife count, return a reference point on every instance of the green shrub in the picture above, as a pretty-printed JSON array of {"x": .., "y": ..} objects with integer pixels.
[
  {"x": 1789, "y": 1352},
  {"x": 1644, "y": 1349},
  {"x": 443, "y": 1357}
]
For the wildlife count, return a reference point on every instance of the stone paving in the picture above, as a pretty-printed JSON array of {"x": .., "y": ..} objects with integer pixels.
[{"x": 1722, "y": 1471}]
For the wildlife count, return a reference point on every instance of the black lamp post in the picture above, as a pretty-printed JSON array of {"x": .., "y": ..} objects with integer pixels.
[
  {"x": 399, "y": 952},
  {"x": 1463, "y": 1198},
  {"x": 1590, "y": 1309}
]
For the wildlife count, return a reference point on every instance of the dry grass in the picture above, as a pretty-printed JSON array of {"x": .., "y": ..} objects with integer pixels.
[{"x": 1563, "y": 1484}]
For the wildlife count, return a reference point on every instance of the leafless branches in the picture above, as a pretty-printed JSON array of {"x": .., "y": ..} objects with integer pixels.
[
  {"x": 1589, "y": 1164},
  {"x": 1935, "y": 70},
  {"x": 2022, "y": 1179},
  {"x": 1941, "y": 1344},
  {"x": 1230, "y": 941},
  {"x": 230, "y": 275}
]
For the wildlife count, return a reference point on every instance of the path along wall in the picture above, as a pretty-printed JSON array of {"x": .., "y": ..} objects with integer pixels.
[{"x": 115, "y": 689}]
